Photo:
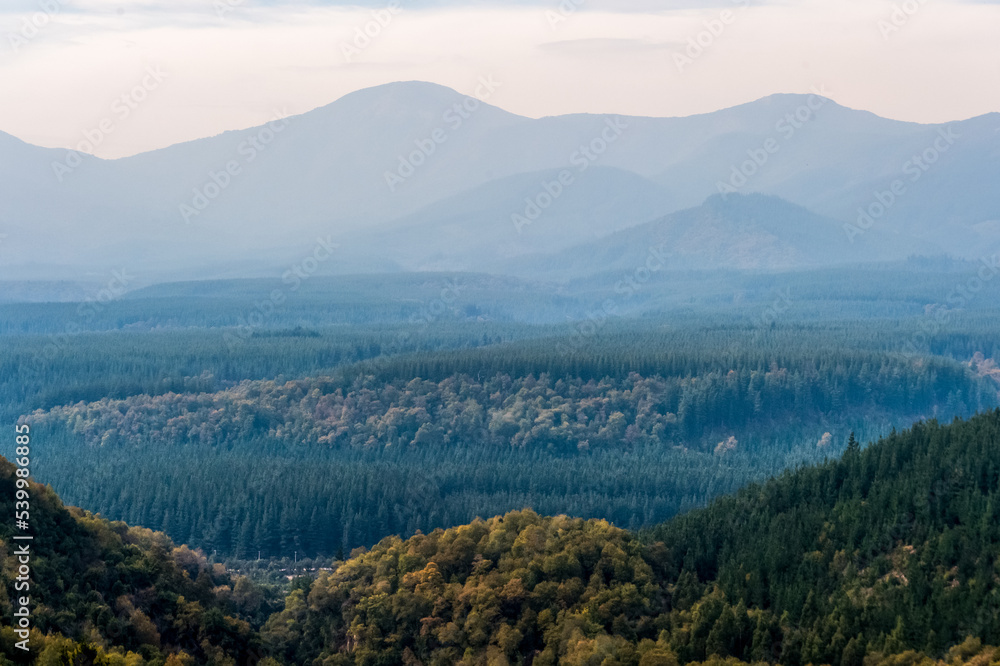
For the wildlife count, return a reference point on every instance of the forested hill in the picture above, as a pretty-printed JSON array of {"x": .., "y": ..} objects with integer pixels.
[
  {"x": 885, "y": 556},
  {"x": 894, "y": 547},
  {"x": 889, "y": 553},
  {"x": 106, "y": 594},
  {"x": 434, "y": 441}
]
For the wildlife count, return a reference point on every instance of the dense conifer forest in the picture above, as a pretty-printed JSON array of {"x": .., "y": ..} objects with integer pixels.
[
  {"x": 886, "y": 555},
  {"x": 596, "y": 438}
]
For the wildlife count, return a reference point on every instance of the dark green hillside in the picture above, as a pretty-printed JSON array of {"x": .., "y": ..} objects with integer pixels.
[
  {"x": 893, "y": 547},
  {"x": 108, "y": 594}
]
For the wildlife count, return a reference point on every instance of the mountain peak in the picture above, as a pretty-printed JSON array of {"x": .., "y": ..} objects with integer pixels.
[
  {"x": 400, "y": 101},
  {"x": 401, "y": 92}
]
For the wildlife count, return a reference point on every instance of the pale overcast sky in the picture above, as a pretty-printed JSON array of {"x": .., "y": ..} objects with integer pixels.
[{"x": 229, "y": 64}]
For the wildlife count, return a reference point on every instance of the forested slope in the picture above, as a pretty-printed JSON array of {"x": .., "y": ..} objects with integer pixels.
[
  {"x": 892, "y": 547},
  {"x": 888, "y": 553},
  {"x": 108, "y": 594},
  {"x": 633, "y": 436},
  {"x": 682, "y": 402}
]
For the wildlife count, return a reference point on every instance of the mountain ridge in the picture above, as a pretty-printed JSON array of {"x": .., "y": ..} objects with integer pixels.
[
  {"x": 399, "y": 85},
  {"x": 379, "y": 156}
]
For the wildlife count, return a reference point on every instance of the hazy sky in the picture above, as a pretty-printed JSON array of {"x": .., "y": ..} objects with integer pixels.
[{"x": 194, "y": 68}]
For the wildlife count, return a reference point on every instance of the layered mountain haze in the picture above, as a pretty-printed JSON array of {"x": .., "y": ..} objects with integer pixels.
[
  {"x": 475, "y": 229},
  {"x": 730, "y": 232},
  {"x": 415, "y": 176}
]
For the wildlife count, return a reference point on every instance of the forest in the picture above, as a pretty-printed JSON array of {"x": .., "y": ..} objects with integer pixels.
[
  {"x": 110, "y": 594},
  {"x": 884, "y": 555},
  {"x": 365, "y": 478},
  {"x": 887, "y": 554},
  {"x": 472, "y": 407},
  {"x": 631, "y": 448}
]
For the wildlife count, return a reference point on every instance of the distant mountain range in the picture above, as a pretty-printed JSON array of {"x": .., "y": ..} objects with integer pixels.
[{"x": 415, "y": 176}]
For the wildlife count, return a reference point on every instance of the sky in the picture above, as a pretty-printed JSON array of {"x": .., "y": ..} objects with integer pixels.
[{"x": 133, "y": 76}]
